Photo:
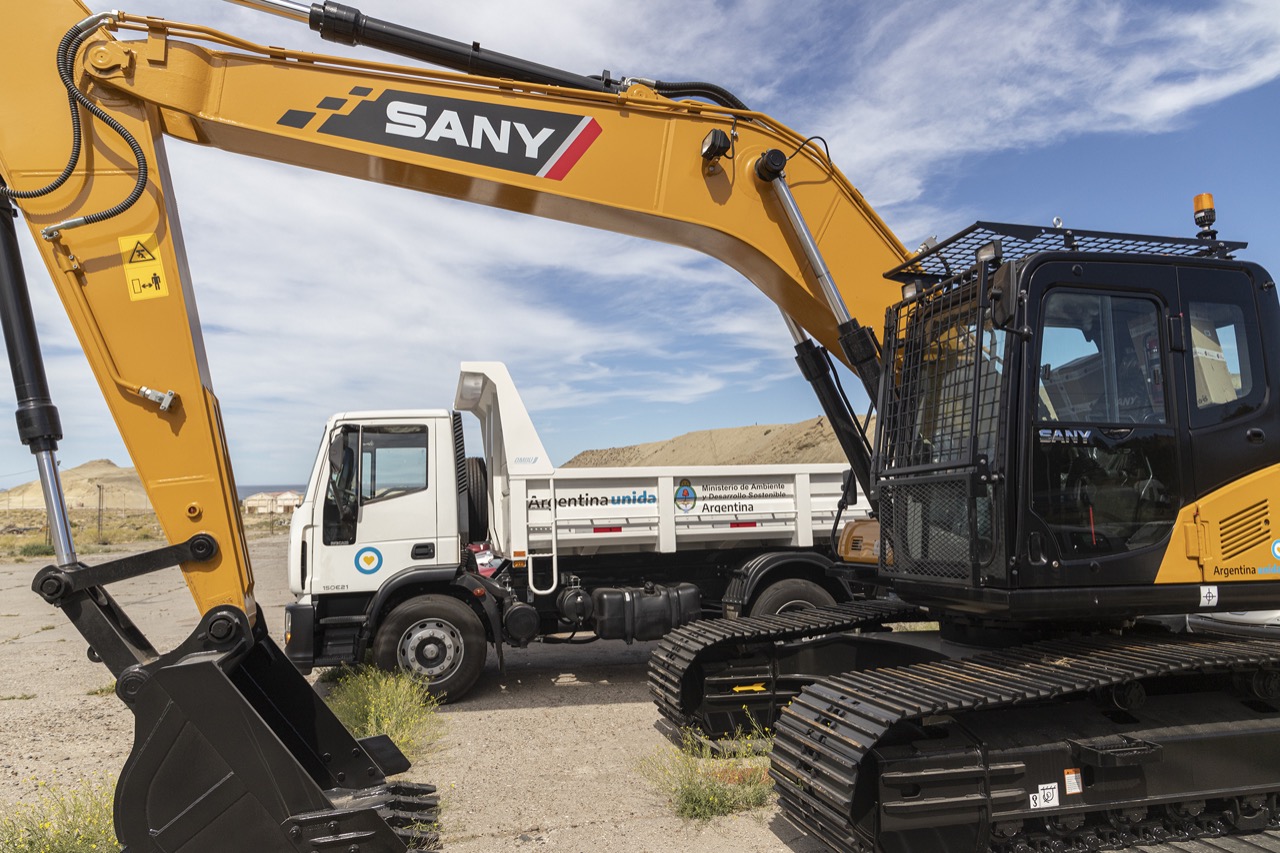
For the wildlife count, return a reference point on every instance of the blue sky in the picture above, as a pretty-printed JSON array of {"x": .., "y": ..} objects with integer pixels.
[{"x": 1111, "y": 115}]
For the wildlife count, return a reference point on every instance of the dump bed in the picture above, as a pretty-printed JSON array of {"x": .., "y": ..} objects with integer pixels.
[
  {"x": 538, "y": 509},
  {"x": 594, "y": 510}
]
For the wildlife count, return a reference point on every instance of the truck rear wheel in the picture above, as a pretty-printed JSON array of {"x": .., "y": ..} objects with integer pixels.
[
  {"x": 437, "y": 637},
  {"x": 791, "y": 594}
]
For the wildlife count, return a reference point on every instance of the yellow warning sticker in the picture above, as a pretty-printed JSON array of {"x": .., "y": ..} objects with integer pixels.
[{"x": 142, "y": 268}]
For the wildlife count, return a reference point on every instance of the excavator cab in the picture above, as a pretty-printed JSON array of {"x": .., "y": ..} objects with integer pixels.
[{"x": 1073, "y": 426}]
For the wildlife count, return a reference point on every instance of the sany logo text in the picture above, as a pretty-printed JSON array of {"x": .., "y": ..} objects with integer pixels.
[
  {"x": 408, "y": 119},
  {"x": 1066, "y": 436}
]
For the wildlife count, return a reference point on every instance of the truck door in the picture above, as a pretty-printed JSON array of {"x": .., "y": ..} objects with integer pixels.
[
  {"x": 379, "y": 510},
  {"x": 1105, "y": 454}
]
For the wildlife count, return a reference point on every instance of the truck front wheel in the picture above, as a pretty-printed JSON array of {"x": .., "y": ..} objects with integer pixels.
[
  {"x": 437, "y": 637},
  {"x": 791, "y": 594}
]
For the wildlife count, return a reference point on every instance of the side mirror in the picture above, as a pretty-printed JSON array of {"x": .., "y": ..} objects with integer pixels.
[
  {"x": 1003, "y": 294},
  {"x": 337, "y": 449},
  {"x": 849, "y": 489}
]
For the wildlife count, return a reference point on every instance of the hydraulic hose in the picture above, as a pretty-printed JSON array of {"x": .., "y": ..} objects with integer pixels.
[
  {"x": 68, "y": 47},
  {"x": 710, "y": 91}
]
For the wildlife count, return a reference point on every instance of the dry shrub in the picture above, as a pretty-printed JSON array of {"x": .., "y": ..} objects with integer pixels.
[
  {"x": 702, "y": 783},
  {"x": 62, "y": 819},
  {"x": 370, "y": 701}
]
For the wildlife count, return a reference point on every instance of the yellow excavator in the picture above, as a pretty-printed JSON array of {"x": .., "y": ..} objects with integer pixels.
[{"x": 1071, "y": 435}]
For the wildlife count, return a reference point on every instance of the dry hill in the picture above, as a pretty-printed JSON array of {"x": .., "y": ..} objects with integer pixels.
[
  {"x": 809, "y": 441},
  {"x": 121, "y": 489}
]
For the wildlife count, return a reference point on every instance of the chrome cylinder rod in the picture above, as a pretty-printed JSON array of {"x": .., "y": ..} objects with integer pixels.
[
  {"x": 770, "y": 169},
  {"x": 798, "y": 335},
  {"x": 283, "y": 8},
  {"x": 55, "y": 505}
]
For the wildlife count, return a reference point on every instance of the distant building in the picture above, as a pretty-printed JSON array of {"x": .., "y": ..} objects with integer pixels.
[{"x": 272, "y": 503}]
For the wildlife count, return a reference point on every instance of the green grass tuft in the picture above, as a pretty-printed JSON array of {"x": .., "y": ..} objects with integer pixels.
[
  {"x": 703, "y": 783},
  {"x": 62, "y": 820},
  {"x": 370, "y": 701}
]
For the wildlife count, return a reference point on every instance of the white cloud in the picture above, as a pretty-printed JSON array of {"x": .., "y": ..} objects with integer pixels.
[{"x": 931, "y": 83}]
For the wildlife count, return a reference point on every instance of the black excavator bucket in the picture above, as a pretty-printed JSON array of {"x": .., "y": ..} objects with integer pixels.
[{"x": 233, "y": 750}]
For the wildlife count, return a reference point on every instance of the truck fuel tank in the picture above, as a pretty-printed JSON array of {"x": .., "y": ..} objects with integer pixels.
[{"x": 644, "y": 613}]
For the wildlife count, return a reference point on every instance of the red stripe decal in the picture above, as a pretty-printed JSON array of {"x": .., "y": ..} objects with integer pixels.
[
  {"x": 574, "y": 152},
  {"x": 742, "y": 524}
]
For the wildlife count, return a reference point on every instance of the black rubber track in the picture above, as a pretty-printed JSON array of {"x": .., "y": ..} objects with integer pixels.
[
  {"x": 674, "y": 667},
  {"x": 822, "y": 737}
]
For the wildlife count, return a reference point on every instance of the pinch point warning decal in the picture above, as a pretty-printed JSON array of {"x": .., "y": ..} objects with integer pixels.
[{"x": 143, "y": 271}]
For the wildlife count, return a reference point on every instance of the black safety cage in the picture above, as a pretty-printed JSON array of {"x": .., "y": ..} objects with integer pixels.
[
  {"x": 943, "y": 414},
  {"x": 939, "y": 429},
  {"x": 957, "y": 253}
]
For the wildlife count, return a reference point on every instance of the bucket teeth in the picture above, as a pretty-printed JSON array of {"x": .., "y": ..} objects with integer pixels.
[{"x": 413, "y": 811}]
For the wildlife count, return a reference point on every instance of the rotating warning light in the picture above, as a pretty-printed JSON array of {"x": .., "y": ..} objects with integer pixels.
[{"x": 1206, "y": 215}]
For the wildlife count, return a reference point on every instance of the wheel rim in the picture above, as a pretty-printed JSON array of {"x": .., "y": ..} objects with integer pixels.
[{"x": 431, "y": 647}]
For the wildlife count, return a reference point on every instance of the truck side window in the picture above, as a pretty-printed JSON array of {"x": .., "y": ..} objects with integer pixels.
[
  {"x": 394, "y": 461},
  {"x": 1223, "y": 361},
  {"x": 340, "y": 495}
]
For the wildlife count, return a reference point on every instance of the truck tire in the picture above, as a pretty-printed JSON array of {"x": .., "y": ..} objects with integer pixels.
[
  {"x": 791, "y": 594},
  {"x": 437, "y": 637},
  {"x": 477, "y": 500}
]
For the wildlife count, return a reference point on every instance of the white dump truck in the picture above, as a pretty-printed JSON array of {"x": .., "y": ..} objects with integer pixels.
[{"x": 407, "y": 548}]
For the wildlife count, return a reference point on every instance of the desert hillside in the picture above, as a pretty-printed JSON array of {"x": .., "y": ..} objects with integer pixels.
[
  {"x": 121, "y": 489},
  {"x": 806, "y": 442}
]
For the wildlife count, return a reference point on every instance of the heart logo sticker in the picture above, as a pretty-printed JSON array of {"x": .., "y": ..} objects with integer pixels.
[{"x": 368, "y": 560}]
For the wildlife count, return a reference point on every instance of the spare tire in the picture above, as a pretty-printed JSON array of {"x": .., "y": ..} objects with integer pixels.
[{"x": 477, "y": 500}]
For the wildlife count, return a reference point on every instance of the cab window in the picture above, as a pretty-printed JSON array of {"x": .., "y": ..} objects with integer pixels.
[
  {"x": 1104, "y": 457},
  {"x": 1223, "y": 362},
  {"x": 1100, "y": 360},
  {"x": 394, "y": 462}
]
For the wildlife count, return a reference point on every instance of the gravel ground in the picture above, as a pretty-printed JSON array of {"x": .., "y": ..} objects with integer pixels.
[{"x": 543, "y": 759}]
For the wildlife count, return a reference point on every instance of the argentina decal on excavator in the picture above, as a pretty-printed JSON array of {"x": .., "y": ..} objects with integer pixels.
[{"x": 531, "y": 142}]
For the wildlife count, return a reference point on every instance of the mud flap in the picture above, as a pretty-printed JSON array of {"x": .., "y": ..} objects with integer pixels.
[{"x": 233, "y": 750}]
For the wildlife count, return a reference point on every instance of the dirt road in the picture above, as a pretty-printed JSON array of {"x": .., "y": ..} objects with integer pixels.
[{"x": 545, "y": 759}]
